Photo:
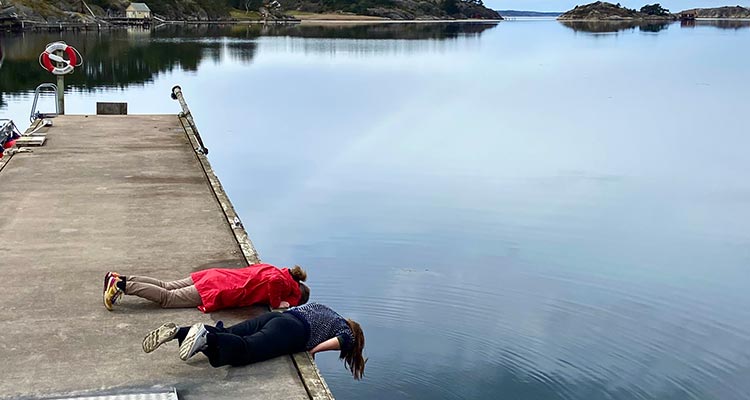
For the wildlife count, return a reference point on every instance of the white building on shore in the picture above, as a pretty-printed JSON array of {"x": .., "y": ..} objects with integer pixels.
[{"x": 138, "y": 11}]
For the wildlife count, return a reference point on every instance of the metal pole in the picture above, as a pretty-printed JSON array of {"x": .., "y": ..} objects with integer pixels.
[{"x": 177, "y": 95}]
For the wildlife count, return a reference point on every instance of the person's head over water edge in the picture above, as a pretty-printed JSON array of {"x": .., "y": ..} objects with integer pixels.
[
  {"x": 353, "y": 358},
  {"x": 304, "y": 293}
]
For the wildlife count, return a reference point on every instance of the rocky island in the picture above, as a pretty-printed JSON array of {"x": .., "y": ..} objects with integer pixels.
[
  {"x": 603, "y": 11},
  {"x": 735, "y": 12}
]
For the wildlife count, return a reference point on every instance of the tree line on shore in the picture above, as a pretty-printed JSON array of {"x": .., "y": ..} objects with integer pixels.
[{"x": 217, "y": 10}]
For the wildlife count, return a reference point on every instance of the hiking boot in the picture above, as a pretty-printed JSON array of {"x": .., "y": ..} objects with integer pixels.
[
  {"x": 158, "y": 336},
  {"x": 111, "y": 293},
  {"x": 106, "y": 279},
  {"x": 195, "y": 341}
]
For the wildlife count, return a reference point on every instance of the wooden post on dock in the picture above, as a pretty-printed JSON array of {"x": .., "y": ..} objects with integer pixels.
[{"x": 61, "y": 93}]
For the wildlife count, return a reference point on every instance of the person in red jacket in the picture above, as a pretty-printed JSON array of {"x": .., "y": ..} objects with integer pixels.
[{"x": 216, "y": 288}]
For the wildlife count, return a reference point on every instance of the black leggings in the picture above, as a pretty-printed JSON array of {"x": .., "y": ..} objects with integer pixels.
[{"x": 266, "y": 336}]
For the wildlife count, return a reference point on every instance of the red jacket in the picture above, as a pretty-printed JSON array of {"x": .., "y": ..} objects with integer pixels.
[{"x": 257, "y": 283}]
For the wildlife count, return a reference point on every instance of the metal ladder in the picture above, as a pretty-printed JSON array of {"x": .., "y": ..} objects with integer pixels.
[{"x": 37, "y": 115}]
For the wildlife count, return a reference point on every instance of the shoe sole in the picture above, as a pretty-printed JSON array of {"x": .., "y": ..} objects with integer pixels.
[
  {"x": 159, "y": 336},
  {"x": 193, "y": 342},
  {"x": 107, "y": 302}
]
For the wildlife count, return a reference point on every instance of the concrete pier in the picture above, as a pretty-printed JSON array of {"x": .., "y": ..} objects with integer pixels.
[{"x": 130, "y": 194}]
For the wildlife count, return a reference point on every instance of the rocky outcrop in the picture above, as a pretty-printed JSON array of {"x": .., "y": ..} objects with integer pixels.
[
  {"x": 719, "y": 12},
  {"x": 74, "y": 11},
  {"x": 46, "y": 13},
  {"x": 603, "y": 11}
]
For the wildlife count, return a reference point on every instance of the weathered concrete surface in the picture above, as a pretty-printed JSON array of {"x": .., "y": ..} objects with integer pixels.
[{"x": 124, "y": 193}]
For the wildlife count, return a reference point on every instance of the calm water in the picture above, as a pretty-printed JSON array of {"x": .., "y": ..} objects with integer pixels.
[{"x": 522, "y": 211}]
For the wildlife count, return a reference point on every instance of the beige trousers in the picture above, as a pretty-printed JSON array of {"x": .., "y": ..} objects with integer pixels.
[{"x": 174, "y": 294}]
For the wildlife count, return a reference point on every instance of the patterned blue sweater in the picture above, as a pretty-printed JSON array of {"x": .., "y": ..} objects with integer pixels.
[{"x": 322, "y": 324}]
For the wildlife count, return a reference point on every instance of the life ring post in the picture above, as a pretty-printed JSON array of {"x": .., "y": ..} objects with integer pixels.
[
  {"x": 61, "y": 94},
  {"x": 54, "y": 60}
]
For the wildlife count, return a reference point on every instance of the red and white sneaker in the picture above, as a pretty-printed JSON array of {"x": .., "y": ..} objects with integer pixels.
[
  {"x": 106, "y": 279},
  {"x": 111, "y": 293}
]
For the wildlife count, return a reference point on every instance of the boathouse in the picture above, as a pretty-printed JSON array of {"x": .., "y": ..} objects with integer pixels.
[
  {"x": 138, "y": 11},
  {"x": 688, "y": 15}
]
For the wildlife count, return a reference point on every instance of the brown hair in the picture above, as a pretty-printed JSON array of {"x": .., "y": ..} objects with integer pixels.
[
  {"x": 304, "y": 296},
  {"x": 298, "y": 273},
  {"x": 353, "y": 357}
]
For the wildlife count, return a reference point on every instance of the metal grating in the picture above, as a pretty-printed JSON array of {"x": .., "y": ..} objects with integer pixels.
[{"x": 165, "y": 395}]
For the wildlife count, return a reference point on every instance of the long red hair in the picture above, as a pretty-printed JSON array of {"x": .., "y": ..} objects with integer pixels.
[{"x": 353, "y": 357}]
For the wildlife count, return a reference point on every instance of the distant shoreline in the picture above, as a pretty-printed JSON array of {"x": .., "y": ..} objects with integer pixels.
[
  {"x": 396, "y": 21},
  {"x": 354, "y": 20},
  {"x": 648, "y": 20},
  {"x": 65, "y": 26}
]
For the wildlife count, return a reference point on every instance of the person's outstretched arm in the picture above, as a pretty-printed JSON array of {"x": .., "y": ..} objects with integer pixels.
[{"x": 330, "y": 344}]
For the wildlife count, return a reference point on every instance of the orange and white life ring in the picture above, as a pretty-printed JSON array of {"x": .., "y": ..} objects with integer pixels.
[{"x": 56, "y": 64}]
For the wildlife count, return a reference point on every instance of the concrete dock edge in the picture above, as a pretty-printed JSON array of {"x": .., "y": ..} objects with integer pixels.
[{"x": 309, "y": 373}]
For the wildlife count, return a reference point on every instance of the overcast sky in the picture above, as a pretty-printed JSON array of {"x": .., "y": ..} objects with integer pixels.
[{"x": 564, "y": 5}]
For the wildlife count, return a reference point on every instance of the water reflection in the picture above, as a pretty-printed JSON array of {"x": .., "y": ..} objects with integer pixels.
[
  {"x": 136, "y": 56},
  {"x": 599, "y": 27},
  {"x": 508, "y": 235},
  {"x": 615, "y": 26},
  {"x": 720, "y": 24},
  {"x": 119, "y": 59},
  {"x": 439, "y": 31}
]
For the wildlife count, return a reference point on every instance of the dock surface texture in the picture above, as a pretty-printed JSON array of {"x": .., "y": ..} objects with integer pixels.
[{"x": 129, "y": 194}]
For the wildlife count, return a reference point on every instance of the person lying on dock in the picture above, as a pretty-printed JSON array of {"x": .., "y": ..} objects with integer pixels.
[
  {"x": 312, "y": 327},
  {"x": 214, "y": 289}
]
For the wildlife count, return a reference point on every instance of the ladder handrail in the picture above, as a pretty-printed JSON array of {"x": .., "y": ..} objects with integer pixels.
[{"x": 34, "y": 114}]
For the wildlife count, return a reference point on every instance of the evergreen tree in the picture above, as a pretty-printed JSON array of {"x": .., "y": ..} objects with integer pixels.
[
  {"x": 450, "y": 7},
  {"x": 654, "y": 9}
]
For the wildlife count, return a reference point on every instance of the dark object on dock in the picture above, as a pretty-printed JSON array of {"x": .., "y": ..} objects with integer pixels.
[
  {"x": 8, "y": 135},
  {"x": 105, "y": 108}
]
